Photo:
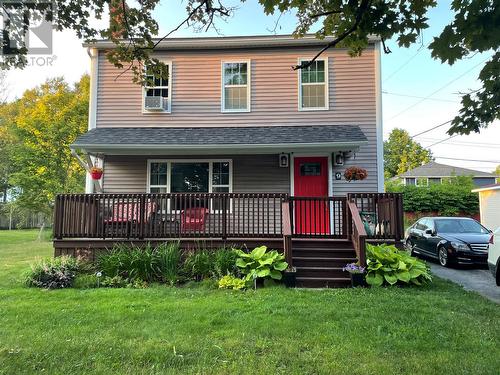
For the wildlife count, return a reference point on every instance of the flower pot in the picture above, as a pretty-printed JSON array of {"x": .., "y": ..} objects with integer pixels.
[
  {"x": 96, "y": 175},
  {"x": 358, "y": 280},
  {"x": 290, "y": 278}
]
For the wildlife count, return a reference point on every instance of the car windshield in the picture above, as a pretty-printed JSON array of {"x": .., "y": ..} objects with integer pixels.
[{"x": 459, "y": 226}]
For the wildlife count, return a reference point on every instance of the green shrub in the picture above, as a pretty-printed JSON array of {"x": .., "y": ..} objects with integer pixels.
[
  {"x": 53, "y": 273},
  {"x": 169, "y": 262},
  {"x": 199, "y": 265},
  {"x": 87, "y": 281},
  {"x": 260, "y": 263},
  {"x": 224, "y": 263},
  {"x": 388, "y": 265},
  {"x": 114, "y": 282},
  {"x": 452, "y": 197},
  {"x": 232, "y": 282}
]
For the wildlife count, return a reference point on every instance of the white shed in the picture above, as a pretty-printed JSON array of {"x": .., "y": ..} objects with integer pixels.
[{"x": 489, "y": 205}]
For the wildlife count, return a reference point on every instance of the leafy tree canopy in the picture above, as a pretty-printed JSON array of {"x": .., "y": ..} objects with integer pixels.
[
  {"x": 402, "y": 153},
  {"x": 133, "y": 28},
  {"x": 40, "y": 126}
]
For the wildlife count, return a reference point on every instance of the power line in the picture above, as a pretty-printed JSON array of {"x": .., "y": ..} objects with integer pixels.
[
  {"x": 418, "y": 97},
  {"x": 482, "y": 161},
  {"x": 430, "y": 129},
  {"x": 405, "y": 63},
  {"x": 441, "y": 141},
  {"x": 439, "y": 89},
  {"x": 466, "y": 144}
]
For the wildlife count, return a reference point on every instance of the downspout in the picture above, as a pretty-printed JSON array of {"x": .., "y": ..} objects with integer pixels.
[{"x": 94, "y": 55}]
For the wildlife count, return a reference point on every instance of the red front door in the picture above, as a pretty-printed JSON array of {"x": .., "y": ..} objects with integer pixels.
[{"x": 311, "y": 180}]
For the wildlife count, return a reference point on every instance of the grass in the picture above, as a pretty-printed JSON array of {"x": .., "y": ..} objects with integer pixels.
[{"x": 162, "y": 330}]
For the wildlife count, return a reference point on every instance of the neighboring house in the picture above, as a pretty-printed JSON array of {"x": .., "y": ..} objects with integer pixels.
[
  {"x": 435, "y": 173},
  {"x": 233, "y": 121},
  {"x": 489, "y": 205}
]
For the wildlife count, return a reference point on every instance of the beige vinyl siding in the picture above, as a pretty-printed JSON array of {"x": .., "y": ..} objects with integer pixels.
[
  {"x": 251, "y": 173},
  {"x": 489, "y": 204},
  {"x": 196, "y": 89}
]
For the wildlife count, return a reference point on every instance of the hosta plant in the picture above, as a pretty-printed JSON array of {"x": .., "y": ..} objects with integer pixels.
[
  {"x": 388, "y": 265},
  {"x": 232, "y": 282},
  {"x": 261, "y": 263}
]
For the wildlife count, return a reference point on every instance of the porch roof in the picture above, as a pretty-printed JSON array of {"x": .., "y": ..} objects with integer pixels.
[{"x": 187, "y": 140}]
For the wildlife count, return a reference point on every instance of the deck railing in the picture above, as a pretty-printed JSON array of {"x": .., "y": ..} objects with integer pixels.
[
  {"x": 381, "y": 214},
  {"x": 318, "y": 217},
  {"x": 172, "y": 215}
]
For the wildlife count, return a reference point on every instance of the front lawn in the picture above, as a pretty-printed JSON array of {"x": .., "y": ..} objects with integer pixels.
[{"x": 439, "y": 329}]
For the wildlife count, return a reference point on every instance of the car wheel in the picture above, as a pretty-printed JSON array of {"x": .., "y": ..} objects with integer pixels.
[{"x": 443, "y": 257}]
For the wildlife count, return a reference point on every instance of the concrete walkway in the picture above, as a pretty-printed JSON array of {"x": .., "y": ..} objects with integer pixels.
[{"x": 475, "y": 279}]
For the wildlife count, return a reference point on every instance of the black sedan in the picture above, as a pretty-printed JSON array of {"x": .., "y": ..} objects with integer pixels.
[{"x": 456, "y": 240}]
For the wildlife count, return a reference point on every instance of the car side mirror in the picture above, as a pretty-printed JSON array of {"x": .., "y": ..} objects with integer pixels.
[{"x": 430, "y": 232}]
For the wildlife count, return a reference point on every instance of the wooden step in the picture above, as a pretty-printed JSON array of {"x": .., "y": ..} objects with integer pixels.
[
  {"x": 323, "y": 272},
  {"x": 329, "y": 261},
  {"x": 324, "y": 253},
  {"x": 322, "y": 282}
]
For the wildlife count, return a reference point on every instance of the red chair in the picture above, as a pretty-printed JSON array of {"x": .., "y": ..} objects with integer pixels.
[
  {"x": 193, "y": 219},
  {"x": 125, "y": 216}
]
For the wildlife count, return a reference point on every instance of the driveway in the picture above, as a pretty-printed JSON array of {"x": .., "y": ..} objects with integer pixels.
[{"x": 475, "y": 279}]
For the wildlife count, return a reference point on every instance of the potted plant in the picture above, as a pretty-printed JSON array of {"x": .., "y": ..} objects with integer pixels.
[
  {"x": 96, "y": 173},
  {"x": 357, "y": 274},
  {"x": 355, "y": 174},
  {"x": 290, "y": 277}
]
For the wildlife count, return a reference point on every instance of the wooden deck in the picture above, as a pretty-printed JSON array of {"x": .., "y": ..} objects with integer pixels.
[{"x": 317, "y": 234}]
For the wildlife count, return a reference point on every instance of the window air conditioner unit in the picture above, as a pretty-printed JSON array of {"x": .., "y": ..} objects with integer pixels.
[{"x": 155, "y": 103}]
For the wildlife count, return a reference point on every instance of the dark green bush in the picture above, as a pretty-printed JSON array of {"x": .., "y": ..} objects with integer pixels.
[
  {"x": 53, "y": 273},
  {"x": 224, "y": 263},
  {"x": 199, "y": 265},
  {"x": 448, "y": 199}
]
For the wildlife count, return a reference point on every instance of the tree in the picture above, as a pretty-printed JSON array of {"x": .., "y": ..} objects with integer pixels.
[
  {"x": 44, "y": 122},
  {"x": 497, "y": 172},
  {"x": 474, "y": 29},
  {"x": 402, "y": 153}
]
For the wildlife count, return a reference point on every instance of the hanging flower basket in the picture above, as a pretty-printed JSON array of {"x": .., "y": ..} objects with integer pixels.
[
  {"x": 96, "y": 173},
  {"x": 355, "y": 174}
]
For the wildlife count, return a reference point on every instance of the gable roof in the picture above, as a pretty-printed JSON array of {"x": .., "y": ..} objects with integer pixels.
[
  {"x": 434, "y": 169},
  {"x": 220, "y": 138}
]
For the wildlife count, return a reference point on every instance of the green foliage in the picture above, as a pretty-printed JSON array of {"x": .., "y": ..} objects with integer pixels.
[
  {"x": 87, "y": 281},
  {"x": 52, "y": 273},
  {"x": 114, "y": 282},
  {"x": 232, "y": 282},
  {"x": 451, "y": 197},
  {"x": 402, "y": 153},
  {"x": 224, "y": 263},
  {"x": 388, "y": 265},
  {"x": 142, "y": 263},
  {"x": 168, "y": 257},
  {"x": 199, "y": 265},
  {"x": 260, "y": 263},
  {"x": 38, "y": 129}
]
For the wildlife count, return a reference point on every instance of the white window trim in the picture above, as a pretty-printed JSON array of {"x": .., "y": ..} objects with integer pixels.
[
  {"x": 210, "y": 175},
  {"x": 327, "y": 84},
  {"x": 248, "y": 85},
  {"x": 169, "y": 87}
]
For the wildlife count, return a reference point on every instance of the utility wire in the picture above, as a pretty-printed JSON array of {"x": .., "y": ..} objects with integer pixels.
[
  {"x": 405, "y": 63},
  {"x": 430, "y": 129},
  {"x": 417, "y": 97},
  {"x": 482, "y": 161},
  {"x": 441, "y": 141},
  {"x": 439, "y": 89}
]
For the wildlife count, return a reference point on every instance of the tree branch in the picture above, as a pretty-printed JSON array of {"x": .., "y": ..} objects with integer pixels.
[{"x": 363, "y": 7}]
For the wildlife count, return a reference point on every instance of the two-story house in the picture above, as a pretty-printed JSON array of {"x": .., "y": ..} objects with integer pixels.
[{"x": 234, "y": 120}]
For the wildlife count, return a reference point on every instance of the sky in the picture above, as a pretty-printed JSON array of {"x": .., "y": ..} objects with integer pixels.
[{"x": 418, "y": 91}]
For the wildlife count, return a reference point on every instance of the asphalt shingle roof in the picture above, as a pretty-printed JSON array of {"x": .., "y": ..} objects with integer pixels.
[
  {"x": 256, "y": 135},
  {"x": 434, "y": 169}
]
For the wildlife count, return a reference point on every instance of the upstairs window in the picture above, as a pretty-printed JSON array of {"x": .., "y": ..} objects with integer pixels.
[
  {"x": 158, "y": 92},
  {"x": 235, "y": 87},
  {"x": 313, "y": 86}
]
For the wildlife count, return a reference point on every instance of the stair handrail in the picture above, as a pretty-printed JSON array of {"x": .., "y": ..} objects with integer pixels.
[
  {"x": 287, "y": 232},
  {"x": 358, "y": 233}
]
